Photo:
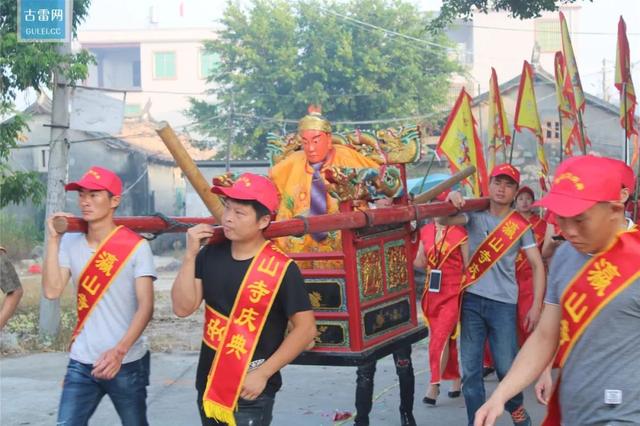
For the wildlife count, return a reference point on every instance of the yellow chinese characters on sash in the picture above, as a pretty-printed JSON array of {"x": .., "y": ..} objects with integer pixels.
[
  {"x": 235, "y": 338},
  {"x": 599, "y": 281},
  {"x": 497, "y": 243},
  {"x": 438, "y": 253},
  {"x": 101, "y": 271}
]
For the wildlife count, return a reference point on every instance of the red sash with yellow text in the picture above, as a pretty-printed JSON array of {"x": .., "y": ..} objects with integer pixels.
[
  {"x": 101, "y": 271},
  {"x": 539, "y": 228},
  {"x": 439, "y": 251},
  {"x": 496, "y": 245},
  {"x": 599, "y": 281},
  {"x": 235, "y": 338}
]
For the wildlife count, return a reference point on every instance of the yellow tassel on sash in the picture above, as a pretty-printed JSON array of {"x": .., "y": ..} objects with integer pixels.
[{"x": 219, "y": 413}]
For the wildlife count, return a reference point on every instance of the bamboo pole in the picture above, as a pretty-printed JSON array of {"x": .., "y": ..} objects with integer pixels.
[
  {"x": 560, "y": 128},
  {"x": 429, "y": 195},
  {"x": 190, "y": 170},
  {"x": 582, "y": 137},
  {"x": 513, "y": 142},
  {"x": 626, "y": 130}
]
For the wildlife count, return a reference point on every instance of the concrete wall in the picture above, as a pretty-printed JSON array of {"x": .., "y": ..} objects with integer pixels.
[
  {"x": 503, "y": 43},
  {"x": 169, "y": 96},
  {"x": 148, "y": 186}
]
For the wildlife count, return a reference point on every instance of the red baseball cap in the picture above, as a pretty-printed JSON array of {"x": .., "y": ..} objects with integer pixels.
[
  {"x": 506, "y": 170},
  {"x": 97, "y": 178},
  {"x": 579, "y": 184},
  {"x": 526, "y": 189},
  {"x": 250, "y": 186},
  {"x": 626, "y": 173}
]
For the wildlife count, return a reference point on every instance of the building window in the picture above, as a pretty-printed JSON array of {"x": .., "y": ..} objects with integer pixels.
[
  {"x": 164, "y": 65},
  {"x": 551, "y": 131},
  {"x": 548, "y": 35},
  {"x": 209, "y": 62}
]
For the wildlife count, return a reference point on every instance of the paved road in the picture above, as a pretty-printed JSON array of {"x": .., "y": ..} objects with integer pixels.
[{"x": 30, "y": 388}]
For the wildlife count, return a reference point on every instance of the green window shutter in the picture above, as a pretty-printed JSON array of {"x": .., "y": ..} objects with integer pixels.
[
  {"x": 209, "y": 62},
  {"x": 164, "y": 65}
]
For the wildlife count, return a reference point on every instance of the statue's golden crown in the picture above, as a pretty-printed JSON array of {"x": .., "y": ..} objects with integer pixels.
[{"x": 314, "y": 121}]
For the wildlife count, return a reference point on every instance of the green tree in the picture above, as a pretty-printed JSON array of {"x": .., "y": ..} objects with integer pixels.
[
  {"x": 24, "y": 66},
  {"x": 453, "y": 9},
  {"x": 360, "y": 60}
]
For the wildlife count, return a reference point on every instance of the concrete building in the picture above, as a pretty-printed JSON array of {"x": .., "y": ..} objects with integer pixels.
[
  {"x": 151, "y": 180},
  {"x": 496, "y": 40},
  {"x": 159, "y": 68}
]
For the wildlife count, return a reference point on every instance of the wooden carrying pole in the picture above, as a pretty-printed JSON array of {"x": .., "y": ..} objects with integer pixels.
[
  {"x": 429, "y": 195},
  {"x": 312, "y": 224},
  {"x": 190, "y": 170}
]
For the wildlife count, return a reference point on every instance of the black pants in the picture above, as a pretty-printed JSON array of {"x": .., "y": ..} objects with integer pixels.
[
  {"x": 258, "y": 412},
  {"x": 364, "y": 385}
]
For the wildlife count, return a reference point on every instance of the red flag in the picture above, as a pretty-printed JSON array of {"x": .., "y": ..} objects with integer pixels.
[
  {"x": 460, "y": 143},
  {"x": 623, "y": 80}
]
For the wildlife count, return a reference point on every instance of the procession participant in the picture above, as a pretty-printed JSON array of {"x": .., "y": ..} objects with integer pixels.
[
  {"x": 553, "y": 237},
  {"x": 490, "y": 291},
  {"x": 301, "y": 183},
  {"x": 591, "y": 312},
  {"x": 251, "y": 289},
  {"x": 443, "y": 252},
  {"x": 544, "y": 384},
  {"x": 524, "y": 275},
  {"x": 113, "y": 271},
  {"x": 404, "y": 369},
  {"x": 10, "y": 286}
]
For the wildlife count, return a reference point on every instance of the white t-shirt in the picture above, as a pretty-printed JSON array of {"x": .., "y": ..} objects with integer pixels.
[{"x": 112, "y": 316}]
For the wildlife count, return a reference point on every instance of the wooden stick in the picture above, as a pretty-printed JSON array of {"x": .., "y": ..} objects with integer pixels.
[
  {"x": 320, "y": 223},
  {"x": 190, "y": 170},
  {"x": 429, "y": 195}
]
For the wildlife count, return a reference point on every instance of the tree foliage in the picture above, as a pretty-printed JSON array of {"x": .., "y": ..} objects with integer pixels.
[
  {"x": 24, "y": 66},
  {"x": 278, "y": 56},
  {"x": 521, "y": 9}
]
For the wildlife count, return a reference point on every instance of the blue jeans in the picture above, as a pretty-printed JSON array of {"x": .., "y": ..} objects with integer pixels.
[
  {"x": 81, "y": 393},
  {"x": 257, "y": 412},
  {"x": 483, "y": 319}
]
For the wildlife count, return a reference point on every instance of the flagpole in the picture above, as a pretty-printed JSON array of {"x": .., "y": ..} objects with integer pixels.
[
  {"x": 424, "y": 179},
  {"x": 560, "y": 127},
  {"x": 626, "y": 130},
  {"x": 635, "y": 195},
  {"x": 584, "y": 144},
  {"x": 513, "y": 142}
]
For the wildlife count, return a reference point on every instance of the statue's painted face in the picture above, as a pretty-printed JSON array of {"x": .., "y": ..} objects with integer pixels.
[{"x": 316, "y": 145}]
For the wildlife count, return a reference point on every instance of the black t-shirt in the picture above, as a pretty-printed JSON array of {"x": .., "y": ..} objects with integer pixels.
[{"x": 221, "y": 277}]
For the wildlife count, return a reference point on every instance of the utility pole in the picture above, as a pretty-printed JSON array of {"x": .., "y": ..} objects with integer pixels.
[{"x": 49, "y": 324}]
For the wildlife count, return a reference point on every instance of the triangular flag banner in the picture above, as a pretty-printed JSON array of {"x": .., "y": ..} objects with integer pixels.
[
  {"x": 572, "y": 66},
  {"x": 527, "y": 114},
  {"x": 499, "y": 133},
  {"x": 623, "y": 81},
  {"x": 459, "y": 142},
  {"x": 570, "y": 130}
]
